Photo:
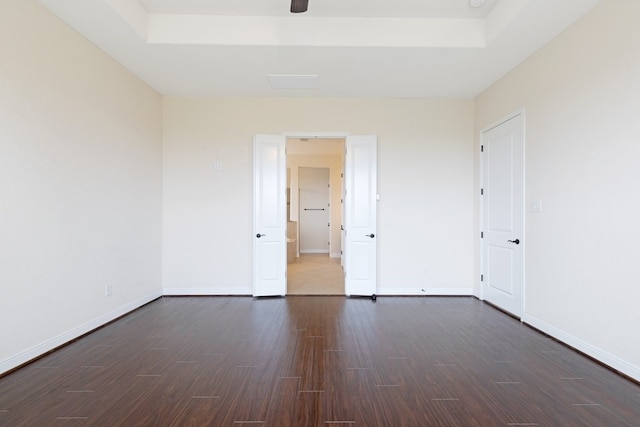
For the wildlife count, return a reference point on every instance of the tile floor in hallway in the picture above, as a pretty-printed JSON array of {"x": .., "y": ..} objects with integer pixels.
[{"x": 315, "y": 274}]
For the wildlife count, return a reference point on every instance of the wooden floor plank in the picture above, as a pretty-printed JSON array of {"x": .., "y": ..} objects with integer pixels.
[{"x": 317, "y": 361}]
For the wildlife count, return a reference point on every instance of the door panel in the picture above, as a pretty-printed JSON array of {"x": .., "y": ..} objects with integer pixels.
[
  {"x": 361, "y": 215},
  {"x": 502, "y": 245},
  {"x": 500, "y": 264},
  {"x": 269, "y": 225}
]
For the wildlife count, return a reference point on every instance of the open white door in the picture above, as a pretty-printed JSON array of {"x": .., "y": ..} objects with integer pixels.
[
  {"x": 360, "y": 215},
  {"x": 270, "y": 216},
  {"x": 502, "y": 242}
]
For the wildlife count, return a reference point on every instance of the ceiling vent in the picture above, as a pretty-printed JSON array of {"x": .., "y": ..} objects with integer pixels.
[{"x": 476, "y": 3}]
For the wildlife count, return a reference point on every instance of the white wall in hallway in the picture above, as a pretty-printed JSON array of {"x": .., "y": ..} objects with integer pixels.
[{"x": 426, "y": 176}]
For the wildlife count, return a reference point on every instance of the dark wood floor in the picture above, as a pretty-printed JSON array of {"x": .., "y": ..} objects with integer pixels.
[{"x": 317, "y": 361}]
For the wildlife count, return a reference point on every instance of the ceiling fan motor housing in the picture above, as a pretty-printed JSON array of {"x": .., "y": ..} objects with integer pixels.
[{"x": 299, "y": 6}]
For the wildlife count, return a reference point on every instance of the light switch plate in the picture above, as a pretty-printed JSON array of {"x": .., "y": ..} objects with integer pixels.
[{"x": 536, "y": 207}]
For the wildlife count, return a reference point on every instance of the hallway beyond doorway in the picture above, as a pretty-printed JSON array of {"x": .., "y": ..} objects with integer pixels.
[{"x": 315, "y": 274}]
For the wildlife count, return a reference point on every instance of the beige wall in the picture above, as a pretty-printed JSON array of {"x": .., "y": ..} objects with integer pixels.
[
  {"x": 80, "y": 185},
  {"x": 425, "y": 181},
  {"x": 581, "y": 95}
]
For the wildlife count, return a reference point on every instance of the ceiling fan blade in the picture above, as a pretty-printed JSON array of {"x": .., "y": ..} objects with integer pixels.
[{"x": 299, "y": 6}]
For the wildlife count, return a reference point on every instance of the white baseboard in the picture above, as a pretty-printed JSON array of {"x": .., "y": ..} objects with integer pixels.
[
  {"x": 595, "y": 352},
  {"x": 335, "y": 255},
  {"x": 207, "y": 291},
  {"x": 426, "y": 291},
  {"x": 42, "y": 348},
  {"x": 314, "y": 251}
]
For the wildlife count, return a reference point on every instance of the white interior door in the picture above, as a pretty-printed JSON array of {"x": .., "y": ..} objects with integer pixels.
[
  {"x": 314, "y": 210},
  {"x": 360, "y": 215},
  {"x": 270, "y": 216},
  {"x": 502, "y": 242}
]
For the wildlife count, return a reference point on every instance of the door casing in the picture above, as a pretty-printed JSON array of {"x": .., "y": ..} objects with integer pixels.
[{"x": 340, "y": 135}]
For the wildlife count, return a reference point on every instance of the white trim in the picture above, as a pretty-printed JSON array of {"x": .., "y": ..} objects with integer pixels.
[
  {"x": 478, "y": 278},
  {"x": 319, "y": 135},
  {"x": 225, "y": 291},
  {"x": 477, "y": 293},
  {"x": 504, "y": 119},
  {"x": 608, "y": 359},
  {"x": 426, "y": 291},
  {"x": 66, "y": 337},
  {"x": 314, "y": 251}
]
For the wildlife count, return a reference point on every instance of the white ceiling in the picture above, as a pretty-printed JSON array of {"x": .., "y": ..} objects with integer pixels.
[
  {"x": 327, "y": 8},
  {"x": 357, "y": 48}
]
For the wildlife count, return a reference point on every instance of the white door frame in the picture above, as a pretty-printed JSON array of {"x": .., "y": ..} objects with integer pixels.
[
  {"x": 519, "y": 112},
  {"x": 328, "y": 135}
]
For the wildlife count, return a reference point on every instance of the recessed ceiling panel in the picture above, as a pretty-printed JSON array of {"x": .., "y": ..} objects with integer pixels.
[
  {"x": 452, "y": 9},
  {"x": 359, "y": 48}
]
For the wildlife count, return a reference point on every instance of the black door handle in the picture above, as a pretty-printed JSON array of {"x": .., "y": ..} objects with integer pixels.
[
  {"x": 260, "y": 235},
  {"x": 517, "y": 241},
  {"x": 370, "y": 235}
]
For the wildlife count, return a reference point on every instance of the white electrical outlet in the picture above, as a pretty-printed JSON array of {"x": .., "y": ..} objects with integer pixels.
[
  {"x": 216, "y": 166},
  {"x": 108, "y": 290}
]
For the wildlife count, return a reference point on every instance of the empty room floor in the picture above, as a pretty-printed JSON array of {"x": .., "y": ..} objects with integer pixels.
[
  {"x": 315, "y": 274},
  {"x": 317, "y": 361}
]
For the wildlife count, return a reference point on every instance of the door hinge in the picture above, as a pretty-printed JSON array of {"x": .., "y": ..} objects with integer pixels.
[
  {"x": 341, "y": 175},
  {"x": 482, "y": 191},
  {"x": 329, "y": 224},
  {"x": 482, "y": 277},
  {"x": 482, "y": 148},
  {"x": 482, "y": 234}
]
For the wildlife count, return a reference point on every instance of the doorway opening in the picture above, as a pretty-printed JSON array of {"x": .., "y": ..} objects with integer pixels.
[
  {"x": 315, "y": 171},
  {"x": 357, "y": 229}
]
